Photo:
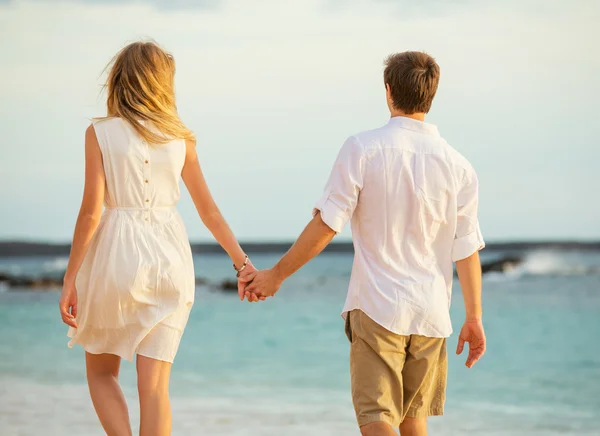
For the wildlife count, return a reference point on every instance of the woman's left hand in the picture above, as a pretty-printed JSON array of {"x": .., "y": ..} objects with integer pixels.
[{"x": 68, "y": 304}]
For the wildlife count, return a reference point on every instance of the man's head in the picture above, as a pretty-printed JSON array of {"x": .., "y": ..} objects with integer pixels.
[{"x": 411, "y": 80}]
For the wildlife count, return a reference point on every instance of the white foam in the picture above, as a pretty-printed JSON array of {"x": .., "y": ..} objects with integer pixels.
[
  {"x": 56, "y": 264},
  {"x": 548, "y": 263},
  {"x": 553, "y": 263}
]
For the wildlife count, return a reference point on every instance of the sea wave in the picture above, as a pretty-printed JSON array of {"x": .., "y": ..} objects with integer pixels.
[
  {"x": 542, "y": 263},
  {"x": 46, "y": 273},
  {"x": 56, "y": 264}
]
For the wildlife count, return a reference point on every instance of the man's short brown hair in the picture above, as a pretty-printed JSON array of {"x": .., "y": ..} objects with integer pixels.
[{"x": 413, "y": 78}]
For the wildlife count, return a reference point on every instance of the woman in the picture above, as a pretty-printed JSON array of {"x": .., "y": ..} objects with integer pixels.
[{"x": 129, "y": 284}]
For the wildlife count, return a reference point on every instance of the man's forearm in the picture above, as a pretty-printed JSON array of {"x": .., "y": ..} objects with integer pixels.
[
  {"x": 313, "y": 239},
  {"x": 469, "y": 275}
]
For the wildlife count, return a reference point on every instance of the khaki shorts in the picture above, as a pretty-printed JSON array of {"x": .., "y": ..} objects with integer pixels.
[{"x": 394, "y": 376}]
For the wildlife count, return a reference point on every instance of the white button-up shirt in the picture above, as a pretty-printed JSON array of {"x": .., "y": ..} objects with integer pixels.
[{"x": 412, "y": 201}]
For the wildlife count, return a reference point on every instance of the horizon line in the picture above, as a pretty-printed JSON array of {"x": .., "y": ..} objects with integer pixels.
[
  {"x": 343, "y": 240},
  {"x": 24, "y": 249}
]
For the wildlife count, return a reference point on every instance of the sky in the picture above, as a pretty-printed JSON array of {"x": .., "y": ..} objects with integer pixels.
[{"x": 272, "y": 89}]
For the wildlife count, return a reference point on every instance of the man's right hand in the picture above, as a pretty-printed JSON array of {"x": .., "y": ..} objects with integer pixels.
[{"x": 472, "y": 332}]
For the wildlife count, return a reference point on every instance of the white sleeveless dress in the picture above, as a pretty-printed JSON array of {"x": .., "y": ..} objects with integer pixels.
[{"x": 135, "y": 288}]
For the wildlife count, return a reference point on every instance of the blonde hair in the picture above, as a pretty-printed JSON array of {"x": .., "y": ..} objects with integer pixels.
[{"x": 141, "y": 90}]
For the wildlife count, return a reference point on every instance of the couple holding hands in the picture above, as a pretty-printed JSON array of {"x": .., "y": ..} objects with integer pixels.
[{"x": 412, "y": 203}]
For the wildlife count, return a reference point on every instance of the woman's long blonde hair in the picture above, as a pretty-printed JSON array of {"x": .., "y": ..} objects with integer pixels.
[{"x": 141, "y": 87}]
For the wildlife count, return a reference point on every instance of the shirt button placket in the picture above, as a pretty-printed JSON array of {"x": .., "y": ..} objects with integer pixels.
[{"x": 146, "y": 175}]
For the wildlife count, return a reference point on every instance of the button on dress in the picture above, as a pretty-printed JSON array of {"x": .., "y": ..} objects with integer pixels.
[{"x": 136, "y": 285}]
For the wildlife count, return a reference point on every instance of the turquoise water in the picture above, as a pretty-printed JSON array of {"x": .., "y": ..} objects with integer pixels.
[{"x": 281, "y": 367}]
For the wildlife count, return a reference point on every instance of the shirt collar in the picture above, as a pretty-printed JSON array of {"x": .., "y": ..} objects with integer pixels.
[{"x": 415, "y": 125}]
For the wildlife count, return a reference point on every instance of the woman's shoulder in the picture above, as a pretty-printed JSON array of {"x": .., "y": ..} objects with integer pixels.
[
  {"x": 190, "y": 142},
  {"x": 106, "y": 129},
  {"x": 108, "y": 125},
  {"x": 109, "y": 120}
]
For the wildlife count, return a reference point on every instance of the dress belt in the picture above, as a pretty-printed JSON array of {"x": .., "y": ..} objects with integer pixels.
[{"x": 139, "y": 209}]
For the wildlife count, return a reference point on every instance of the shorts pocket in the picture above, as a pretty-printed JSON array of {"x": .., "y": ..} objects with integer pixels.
[{"x": 348, "y": 327}]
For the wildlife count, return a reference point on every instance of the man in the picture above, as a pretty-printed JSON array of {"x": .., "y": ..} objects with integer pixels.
[{"x": 412, "y": 202}]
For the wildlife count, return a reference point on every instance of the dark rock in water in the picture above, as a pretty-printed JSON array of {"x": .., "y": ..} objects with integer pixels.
[
  {"x": 46, "y": 283},
  {"x": 502, "y": 265},
  {"x": 31, "y": 282},
  {"x": 228, "y": 285},
  {"x": 201, "y": 281},
  {"x": 16, "y": 282}
]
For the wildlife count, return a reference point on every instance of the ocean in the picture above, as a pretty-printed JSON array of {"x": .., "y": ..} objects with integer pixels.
[{"x": 281, "y": 366}]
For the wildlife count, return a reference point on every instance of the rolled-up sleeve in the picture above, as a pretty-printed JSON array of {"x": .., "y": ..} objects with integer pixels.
[
  {"x": 343, "y": 187},
  {"x": 468, "y": 238}
]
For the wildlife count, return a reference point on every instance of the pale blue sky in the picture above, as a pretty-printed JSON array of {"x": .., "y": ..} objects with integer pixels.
[{"x": 273, "y": 87}]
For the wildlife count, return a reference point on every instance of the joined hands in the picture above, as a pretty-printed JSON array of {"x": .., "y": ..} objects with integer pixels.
[{"x": 255, "y": 285}]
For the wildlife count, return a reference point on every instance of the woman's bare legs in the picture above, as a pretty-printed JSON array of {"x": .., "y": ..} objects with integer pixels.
[
  {"x": 153, "y": 388},
  {"x": 108, "y": 399}
]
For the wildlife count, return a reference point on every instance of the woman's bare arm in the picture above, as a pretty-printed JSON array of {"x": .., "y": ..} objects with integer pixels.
[
  {"x": 206, "y": 206},
  {"x": 87, "y": 223}
]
